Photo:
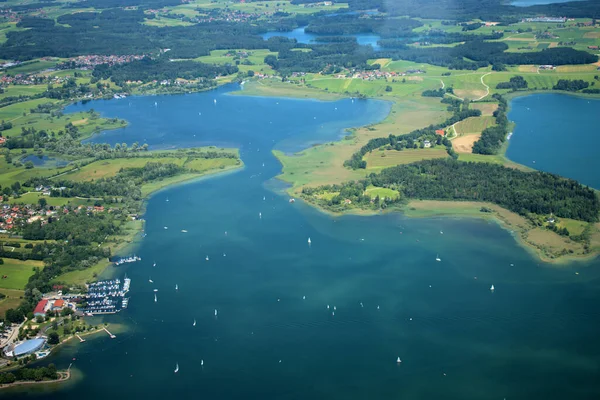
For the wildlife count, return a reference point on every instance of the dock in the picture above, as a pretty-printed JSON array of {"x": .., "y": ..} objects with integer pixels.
[
  {"x": 109, "y": 334},
  {"x": 80, "y": 339}
]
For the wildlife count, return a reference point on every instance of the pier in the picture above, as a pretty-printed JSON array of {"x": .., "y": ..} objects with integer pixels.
[
  {"x": 109, "y": 334},
  {"x": 80, "y": 339}
]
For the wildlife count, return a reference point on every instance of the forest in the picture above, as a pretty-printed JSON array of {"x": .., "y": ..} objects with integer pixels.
[
  {"x": 29, "y": 374},
  {"x": 147, "y": 70},
  {"x": 514, "y": 83},
  {"x": 479, "y": 54},
  {"x": 493, "y": 137},
  {"x": 448, "y": 179},
  {"x": 571, "y": 85},
  {"x": 466, "y": 10}
]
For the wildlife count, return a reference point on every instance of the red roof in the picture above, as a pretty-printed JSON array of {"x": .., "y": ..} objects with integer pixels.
[
  {"x": 59, "y": 303},
  {"x": 40, "y": 307},
  {"x": 440, "y": 132}
]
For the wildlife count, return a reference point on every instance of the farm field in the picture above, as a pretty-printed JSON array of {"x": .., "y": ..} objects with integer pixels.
[
  {"x": 382, "y": 159},
  {"x": 14, "y": 274}
]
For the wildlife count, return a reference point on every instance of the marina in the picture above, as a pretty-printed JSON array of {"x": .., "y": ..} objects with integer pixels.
[
  {"x": 106, "y": 297},
  {"x": 126, "y": 260}
]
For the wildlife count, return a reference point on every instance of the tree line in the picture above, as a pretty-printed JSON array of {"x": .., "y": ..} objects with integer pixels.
[
  {"x": 492, "y": 138},
  {"x": 399, "y": 142},
  {"x": 448, "y": 179}
]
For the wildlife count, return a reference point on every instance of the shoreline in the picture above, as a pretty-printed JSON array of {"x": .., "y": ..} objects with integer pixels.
[
  {"x": 63, "y": 377},
  {"x": 459, "y": 213}
]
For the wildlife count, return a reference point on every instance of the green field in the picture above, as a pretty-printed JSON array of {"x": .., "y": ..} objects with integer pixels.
[
  {"x": 31, "y": 67},
  {"x": 256, "y": 59},
  {"x": 108, "y": 168},
  {"x": 17, "y": 273},
  {"x": 12, "y": 300},
  {"x": 382, "y": 159},
  {"x": 474, "y": 125},
  {"x": 383, "y": 193}
]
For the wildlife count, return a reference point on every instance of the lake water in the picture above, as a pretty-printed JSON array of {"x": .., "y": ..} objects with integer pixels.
[
  {"x": 44, "y": 161},
  {"x": 274, "y": 336},
  {"x": 556, "y": 133},
  {"x": 304, "y": 37},
  {"x": 527, "y": 3}
]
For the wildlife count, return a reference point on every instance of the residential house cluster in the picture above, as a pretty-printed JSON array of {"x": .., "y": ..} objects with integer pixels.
[
  {"x": 14, "y": 216},
  {"x": 558, "y": 20},
  {"x": 90, "y": 61}
]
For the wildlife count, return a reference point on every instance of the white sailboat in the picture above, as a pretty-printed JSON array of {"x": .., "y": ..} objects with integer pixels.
[
  {"x": 154, "y": 265},
  {"x": 309, "y": 241},
  {"x": 492, "y": 288},
  {"x": 224, "y": 255},
  {"x": 155, "y": 104},
  {"x": 206, "y": 258},
  {"x": 176, "y": 287},
  {"x": 216, "y": 312},
  {"x": 437, "y": 258},
  {"x": 303, "y": 297},
  {"x": 398, "y": 360},
  {"x": 334, "y": 308},
  {"x": 260, "y": 215},
  {"x": 264, "y": 198},
  {"x": 176, "y": 368},
  {"x": 150, "y": 280},
  {"x": 328, "y": 306},
  {"x": 194, "y": 324},
  {"x": 155, "y": 290},
  {"x": 201, "y": 363},
  {"x": 155, "y": 298}
]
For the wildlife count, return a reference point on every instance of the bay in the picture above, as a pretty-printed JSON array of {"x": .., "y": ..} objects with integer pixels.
[
  {"x": 556, "y": 133},
  {"x": 274, "y": 336}
]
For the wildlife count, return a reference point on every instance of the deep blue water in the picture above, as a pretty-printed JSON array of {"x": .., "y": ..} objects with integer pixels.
[
  {"x": 304, "y": 37},
  {"x": 557, "y": 133},
  {"x": 535, "y": 337}
]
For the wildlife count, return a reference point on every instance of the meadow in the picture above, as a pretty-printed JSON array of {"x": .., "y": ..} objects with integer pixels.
[
  {"x": 17, "y": 273},
  {"x": 378, "y": 159}
]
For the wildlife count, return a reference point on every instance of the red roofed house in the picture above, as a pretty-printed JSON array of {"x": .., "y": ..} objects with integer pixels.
[
  {"x": 440, "y": 132},
  {"x": 40, "y": 309},
  {"x": 58, "y": 304}
]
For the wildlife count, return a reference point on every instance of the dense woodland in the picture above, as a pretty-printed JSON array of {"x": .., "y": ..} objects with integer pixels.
[
  {"x": 448, "y": 179},
  {"x": 147, "y": 69},
  {"x": 493, "y": 137}
]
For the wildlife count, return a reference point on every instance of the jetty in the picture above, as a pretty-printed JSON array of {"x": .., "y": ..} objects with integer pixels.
[
  {"x": 79, "y": 337},
  {"x": 109, "y": 334}
]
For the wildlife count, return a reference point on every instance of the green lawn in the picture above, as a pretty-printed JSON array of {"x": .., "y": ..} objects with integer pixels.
[
  {"x": 377, "y": 159},
  {"x": 383, "y": 193},
  {"x": 17, "y": 273},
  {"x": 12, "y": 300},
  {"x": 108, "y": 168},
  {"x": 474, "y": 125}
]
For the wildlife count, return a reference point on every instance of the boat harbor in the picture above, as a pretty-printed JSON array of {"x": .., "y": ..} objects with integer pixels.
[
  {"x": 127, "y": 260},
  {"x": 106, "y": 297}
]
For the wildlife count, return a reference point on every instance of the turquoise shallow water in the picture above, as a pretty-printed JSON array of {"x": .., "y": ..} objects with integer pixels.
[
  {"x": 534, "y": 337},
  {"x": 557, "y": 133}
]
